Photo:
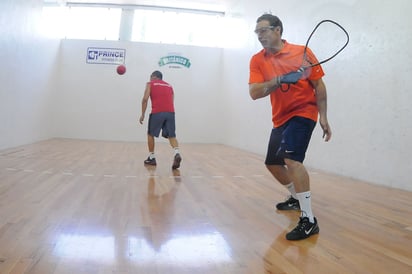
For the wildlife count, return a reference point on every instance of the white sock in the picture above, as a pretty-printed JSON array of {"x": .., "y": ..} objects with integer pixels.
[
  {"x": 291, "y": 188},
  {"x": 176, "y": 150},
  {"x": 306, "y": 205},
  {"x": 152, "y": 155}
]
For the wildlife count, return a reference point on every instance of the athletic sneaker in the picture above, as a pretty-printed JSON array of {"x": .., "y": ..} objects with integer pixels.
[
  {"x": 303, "y": 230},
  {"x": 149, "y": 161},
  {"x": 289, "y": 204},
  {"x": 176, "y": 161}
]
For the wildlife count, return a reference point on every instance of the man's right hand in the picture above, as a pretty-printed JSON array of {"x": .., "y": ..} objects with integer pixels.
[{"x": 291, "y": 77}]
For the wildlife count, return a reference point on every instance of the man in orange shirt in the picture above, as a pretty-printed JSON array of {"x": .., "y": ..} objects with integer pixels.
[
  {"x": 295, "y": 110},
  {"x": 162, "y": 116}
]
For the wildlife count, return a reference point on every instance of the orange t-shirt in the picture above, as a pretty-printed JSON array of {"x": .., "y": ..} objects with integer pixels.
[{"x": 300, "y": 100}]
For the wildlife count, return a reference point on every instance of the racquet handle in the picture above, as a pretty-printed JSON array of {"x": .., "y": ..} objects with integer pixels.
[{"x": 291, "y": 77}]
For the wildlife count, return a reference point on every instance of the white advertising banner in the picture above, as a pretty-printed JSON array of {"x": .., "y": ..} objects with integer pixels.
[{"x": 106, "y": 56}]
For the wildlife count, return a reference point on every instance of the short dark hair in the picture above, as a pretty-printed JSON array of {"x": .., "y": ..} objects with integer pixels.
[
  {"x": 157, "y": 74},
  {"x": 273, "y": 20}
]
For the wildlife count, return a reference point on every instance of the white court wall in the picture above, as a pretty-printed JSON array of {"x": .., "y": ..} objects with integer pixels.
[
  {"x": 369, "y": 95},
  {"x": 26, "y": 74},
  {"x": 92, "y": 102}
]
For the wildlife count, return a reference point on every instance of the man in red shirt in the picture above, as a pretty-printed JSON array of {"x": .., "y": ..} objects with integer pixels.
[
  {"x": 162, "y": 116},
  {"x": 295, "y": 110}
]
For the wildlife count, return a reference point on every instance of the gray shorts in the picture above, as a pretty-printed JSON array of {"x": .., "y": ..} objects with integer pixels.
[{"x": 164, "y": 121}]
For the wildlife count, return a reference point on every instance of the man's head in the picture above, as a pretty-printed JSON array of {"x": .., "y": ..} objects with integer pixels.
[
  {"x": 272, "y": 20},
  {"x": 269, "y": 30},
  {"x": 156, "y": 75}
]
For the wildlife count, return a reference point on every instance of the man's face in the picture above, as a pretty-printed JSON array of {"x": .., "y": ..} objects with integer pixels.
[{"x": 267, "y": 35}]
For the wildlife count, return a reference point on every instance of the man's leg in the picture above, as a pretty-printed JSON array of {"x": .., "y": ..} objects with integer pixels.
[
  {"x": 307, "y": 225},
  {"x": 281, "y": 174},
  {"x": 170, "y": 127},
  {"x": 300, "y": 178},
  {"x": 173, "y": 142},
  {"x": 151, "y": 160},
  {"x": 277, "y": 168},
  {"x": 177, "y": 158},
  {"x": 295, "y": 137},
  {"x": 150, "y": 143},
  {"x": 297, "y": 173}
]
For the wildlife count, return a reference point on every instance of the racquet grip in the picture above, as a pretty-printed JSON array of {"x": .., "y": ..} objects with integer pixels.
[{"x": 291, "y": 77}]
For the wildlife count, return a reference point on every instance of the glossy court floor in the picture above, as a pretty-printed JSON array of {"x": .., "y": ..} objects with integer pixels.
[{"x": 78, "y": 206}]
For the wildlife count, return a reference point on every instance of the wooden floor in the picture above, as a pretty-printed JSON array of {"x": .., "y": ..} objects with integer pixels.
[{"x": 75, "y": 206}]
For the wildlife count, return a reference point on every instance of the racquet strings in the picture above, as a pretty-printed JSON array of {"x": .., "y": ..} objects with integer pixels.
[{"x": 327, "y": 39}]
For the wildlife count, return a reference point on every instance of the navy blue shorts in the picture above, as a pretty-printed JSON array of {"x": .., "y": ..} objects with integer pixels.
[
  {"x": 290, "y": 141},
  {"x": 164, "y": 121}
]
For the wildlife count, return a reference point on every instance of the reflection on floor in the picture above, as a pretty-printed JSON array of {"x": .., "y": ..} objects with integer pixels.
[{"x": 77, "y": 206}]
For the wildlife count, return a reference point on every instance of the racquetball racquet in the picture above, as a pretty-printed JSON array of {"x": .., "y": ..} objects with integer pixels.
[{"x": 323, "y": 38}]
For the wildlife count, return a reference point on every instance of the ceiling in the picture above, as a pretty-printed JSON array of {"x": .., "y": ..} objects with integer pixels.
[{"x": 214, "y": 5}]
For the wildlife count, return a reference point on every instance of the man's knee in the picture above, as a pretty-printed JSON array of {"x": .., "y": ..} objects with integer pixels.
[
  {"x": 275, "y": 169},
  {"x": 294, "y": 166}
]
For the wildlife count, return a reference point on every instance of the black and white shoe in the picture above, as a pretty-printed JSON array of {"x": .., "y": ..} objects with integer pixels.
[
  {"x": 290, "y": 204},
  {"x": 176, "y": 161},
  {"x": 150, "y": 161},
  {"x": 303, "y": 230}
]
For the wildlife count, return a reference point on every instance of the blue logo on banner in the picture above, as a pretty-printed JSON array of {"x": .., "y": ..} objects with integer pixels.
[{"x": 106, "y": 56}]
